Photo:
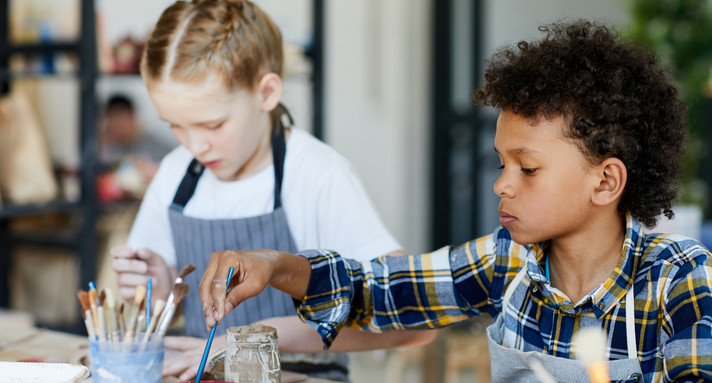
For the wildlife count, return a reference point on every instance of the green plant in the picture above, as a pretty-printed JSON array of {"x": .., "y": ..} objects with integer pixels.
[{"x": 680, "y": 31}]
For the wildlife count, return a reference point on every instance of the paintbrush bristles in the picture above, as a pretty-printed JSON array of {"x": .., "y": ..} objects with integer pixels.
[
  {"x": 591, "y": 344},
  {"x": 180, "y": 290},
  {"x": 83, "y": 300},
  {"x": 189, "y": 268},
  {"x": 140, "y": 294},
  {"x": 157, "y": 307}
]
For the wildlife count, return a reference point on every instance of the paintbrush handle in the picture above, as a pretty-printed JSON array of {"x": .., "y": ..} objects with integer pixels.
[
  {"x": 101, "y": 320},
  {"x": 88, "y": 322},
  {"x": 169, "y": 302},
  {"x": 205, "y": 354},
  {"x": 165, "y": 321},
  {"x": 131, "y": 325},
  {"x": 112, "y": 326},
  {"x": 122, "y": 323},
  {"x": 199, "y": 375},
  {"x": 153, "y": 322}
]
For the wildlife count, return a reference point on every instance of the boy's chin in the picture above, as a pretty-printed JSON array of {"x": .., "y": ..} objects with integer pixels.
[{"x": 524, "y": 239}]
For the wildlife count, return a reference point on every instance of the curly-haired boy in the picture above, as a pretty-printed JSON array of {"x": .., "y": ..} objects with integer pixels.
[{"x": 589, "y": 136}]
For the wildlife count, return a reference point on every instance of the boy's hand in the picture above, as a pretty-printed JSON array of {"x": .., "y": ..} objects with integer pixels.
[
  {"x": 133, "y": 268},
  {"x": 254, "y": 270}
]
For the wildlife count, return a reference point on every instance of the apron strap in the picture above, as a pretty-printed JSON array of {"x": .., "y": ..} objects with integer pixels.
[
  {"x": 629, "y": 312},
  {"x": 279, "y": 148},
  {"x": 188, "y": 184},
  {"x": 630, "y": 323}
]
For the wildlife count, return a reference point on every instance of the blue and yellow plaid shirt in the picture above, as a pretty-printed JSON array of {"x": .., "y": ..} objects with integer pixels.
[{"x": 671, "y": 276}]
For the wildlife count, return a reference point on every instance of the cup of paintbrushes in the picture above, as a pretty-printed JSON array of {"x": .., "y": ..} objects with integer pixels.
[
  {"x": 136, "y": 362},
  {"x": 138, "y": 357}
]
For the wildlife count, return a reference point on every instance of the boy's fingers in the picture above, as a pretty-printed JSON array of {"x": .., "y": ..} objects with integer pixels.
[
  {"x": 236, "y": 296},
  {"x": 205, "y": 291},
  {"x": 217, "y": 291}
]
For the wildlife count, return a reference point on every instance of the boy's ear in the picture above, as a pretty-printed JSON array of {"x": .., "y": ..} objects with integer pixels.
[
  {"x": 612, "y": 177},
  {"x": 270, "y": 91}
]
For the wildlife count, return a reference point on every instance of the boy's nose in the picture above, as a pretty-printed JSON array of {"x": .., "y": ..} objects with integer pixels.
[{"x": 502, "y": 187}]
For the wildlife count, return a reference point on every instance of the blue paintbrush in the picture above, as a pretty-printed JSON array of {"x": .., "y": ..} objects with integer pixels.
[{"x": 212, "y": 334}]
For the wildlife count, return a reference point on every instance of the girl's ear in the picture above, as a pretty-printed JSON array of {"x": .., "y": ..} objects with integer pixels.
[
  {"x": 270, "y": 91},
  {"x": 612, "y": 177}
]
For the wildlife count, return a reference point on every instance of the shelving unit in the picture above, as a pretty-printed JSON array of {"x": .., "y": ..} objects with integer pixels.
[{"x": 83, "y": 241}]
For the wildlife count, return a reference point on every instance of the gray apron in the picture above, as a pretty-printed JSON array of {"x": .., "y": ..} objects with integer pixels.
[
  {"x": 196, "y": 239},
  {"x": 511, "y": 365}
]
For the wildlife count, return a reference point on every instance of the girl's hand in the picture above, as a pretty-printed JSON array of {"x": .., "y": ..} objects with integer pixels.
[
  {"x": 186, "y": 360},
  {"x": 133, "y": 268}
]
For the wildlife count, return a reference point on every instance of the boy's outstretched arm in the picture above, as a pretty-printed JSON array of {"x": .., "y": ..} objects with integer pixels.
[{"x": 254, "y": 270}]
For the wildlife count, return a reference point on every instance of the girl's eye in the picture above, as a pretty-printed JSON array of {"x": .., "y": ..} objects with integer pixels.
[
  {"x": 500, "y": 167},
  {"x": 216, "y": 126},
  {"x": 528, "y": 171}
]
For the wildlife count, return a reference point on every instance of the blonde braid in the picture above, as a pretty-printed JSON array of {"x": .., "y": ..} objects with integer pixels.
[{"x": 234, "y": 39}]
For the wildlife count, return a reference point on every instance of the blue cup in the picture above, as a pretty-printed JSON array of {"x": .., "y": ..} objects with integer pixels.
[{"x": 116, "y": 362}]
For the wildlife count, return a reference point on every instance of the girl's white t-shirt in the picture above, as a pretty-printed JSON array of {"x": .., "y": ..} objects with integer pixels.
[{"x": 324, "y": 201}]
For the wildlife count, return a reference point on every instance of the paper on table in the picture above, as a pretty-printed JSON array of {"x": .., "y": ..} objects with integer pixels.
[{"x": 42, "y": 372}]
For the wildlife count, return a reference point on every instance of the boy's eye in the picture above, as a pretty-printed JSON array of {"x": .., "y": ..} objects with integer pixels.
[
  {"x": 528, "y": 171},
  {"x": 500, "y": 167},
  {"x": 216, "y": 126}
]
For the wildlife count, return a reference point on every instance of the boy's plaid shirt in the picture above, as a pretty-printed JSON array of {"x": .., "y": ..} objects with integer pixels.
[{"x": 672, "y": 278}]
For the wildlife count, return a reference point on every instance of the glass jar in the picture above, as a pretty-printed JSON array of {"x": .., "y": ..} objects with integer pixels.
[{"x": 252, "y": 355}]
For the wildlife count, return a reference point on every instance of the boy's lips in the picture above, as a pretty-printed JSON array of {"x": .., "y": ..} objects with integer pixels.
[{"x": 505, "y": 218}]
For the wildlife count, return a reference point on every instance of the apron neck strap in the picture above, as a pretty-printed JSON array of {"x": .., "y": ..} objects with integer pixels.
[
  {"x": 188, "y": 184},
  {"x": 279, "y": 149}
]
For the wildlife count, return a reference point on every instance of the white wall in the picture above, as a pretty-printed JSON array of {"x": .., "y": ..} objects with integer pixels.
[
  {"x": 378, "y": 92},
  {"x": 377, "y": 105},
  {"x": 509, "y": 21}
]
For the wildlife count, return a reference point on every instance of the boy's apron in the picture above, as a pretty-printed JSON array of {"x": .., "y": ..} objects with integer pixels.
[
  {"x": 511, "y": 365},
  {"x": 195, "y": 240}
]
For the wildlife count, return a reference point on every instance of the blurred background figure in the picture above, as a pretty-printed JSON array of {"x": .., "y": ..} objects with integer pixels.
[{"x": 129, "y": 156}]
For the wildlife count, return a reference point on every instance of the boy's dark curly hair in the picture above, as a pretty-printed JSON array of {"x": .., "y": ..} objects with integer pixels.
[{"x": 616, "y": 99}]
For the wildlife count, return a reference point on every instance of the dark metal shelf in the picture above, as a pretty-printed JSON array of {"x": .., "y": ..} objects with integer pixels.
[
  {"x": 53, "y": 47},
  {"x": 64, "y": 240},
  {"x": 11, "y": 76},
  {"x": 10, "y": 211}
]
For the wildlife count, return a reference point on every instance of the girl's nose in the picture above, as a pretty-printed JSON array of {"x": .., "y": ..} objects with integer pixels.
[{"x": 198, "y": 144}]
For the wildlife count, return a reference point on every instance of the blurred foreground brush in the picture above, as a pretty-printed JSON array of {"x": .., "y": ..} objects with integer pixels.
[{"x": 591, "y": 344}]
